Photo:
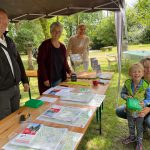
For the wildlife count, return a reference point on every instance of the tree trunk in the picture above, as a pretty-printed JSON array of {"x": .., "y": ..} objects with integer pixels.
[
  {"x": 44, "y": 22},
  {"x": 30, "y": 64}
]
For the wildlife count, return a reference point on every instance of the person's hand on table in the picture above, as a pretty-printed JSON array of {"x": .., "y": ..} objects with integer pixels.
[
  {"x": 46, "y": 83},
  {"x": 144, "y": 112},
  {"x": 26, "y": 87}
]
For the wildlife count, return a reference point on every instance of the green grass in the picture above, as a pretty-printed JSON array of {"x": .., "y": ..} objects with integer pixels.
[{"x": 113, "y": 128}]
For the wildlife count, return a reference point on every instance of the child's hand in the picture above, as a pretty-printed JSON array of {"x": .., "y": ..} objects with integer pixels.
[
  {"x": 141, "y": 114},
  {"x": 142, "y": 104},
  {"x": 144, "y": 112},
  {"x": 130, "y": 97}
]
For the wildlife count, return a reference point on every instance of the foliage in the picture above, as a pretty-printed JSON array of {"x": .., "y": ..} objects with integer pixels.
[
  {"x": 26, "y": 32},
  {"x": 100, "y": 27},
  {"x": 138, "y": 22},
  {"x": 104, "y": 33}
]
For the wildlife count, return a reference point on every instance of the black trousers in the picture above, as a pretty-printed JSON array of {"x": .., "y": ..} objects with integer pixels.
[{"x": 9, "y": 101}]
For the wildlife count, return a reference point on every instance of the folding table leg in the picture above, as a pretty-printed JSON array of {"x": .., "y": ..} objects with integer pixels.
[
  {"x": 29, "y": 89},
  {"x": 100, "y": 120},
  {"x": 102, "y": 105},
  {"x": 97, "y": 114},
  {"x": 29, "y": 93}
]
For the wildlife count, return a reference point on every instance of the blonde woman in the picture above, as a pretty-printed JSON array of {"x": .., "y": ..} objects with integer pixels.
[{"x": 79, "y": 43}]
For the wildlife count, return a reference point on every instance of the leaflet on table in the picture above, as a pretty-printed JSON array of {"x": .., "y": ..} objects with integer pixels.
[
  {"x": 83, "y": 90},
  {"x": 96, "y": 101},
  {"x": 62, "y": 113},
  {"x": 80, "y": 121},
  {"x": 48, "y": 99},
  {"x": 69, "y": 140},
  {"x": 104, "y": 76},
  {"x": 77, "y": 97},
  {"x": 58, "y": 90},
  {"x": 103, "y": 81},
  {"x": 27, "y": 135},
  {"x": 48, "y": 138}
]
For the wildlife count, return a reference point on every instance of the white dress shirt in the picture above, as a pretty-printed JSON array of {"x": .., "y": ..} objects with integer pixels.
[{"x": 3, "y": 41}]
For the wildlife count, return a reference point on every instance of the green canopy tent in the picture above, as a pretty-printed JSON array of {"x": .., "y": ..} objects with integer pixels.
[{"x": 33, "y": 9}]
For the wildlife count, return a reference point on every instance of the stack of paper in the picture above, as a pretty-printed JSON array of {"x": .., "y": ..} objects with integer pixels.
[
  {"x": 107, "y": 76},
  {"x": 77, "y": 97},
  {"x": 58, "y": 90},
  {"x": 48, "y": 99},
  {"x": 69, "y": 114},
  {"x": 51, "y": 139},
  {"x": 103, "y": 81},
  {"x": 48, "y": 138},
  {"x": 27, "y": 135},
  {"x": 92, "y": 99},
  {"x": 81, "y": 118}
]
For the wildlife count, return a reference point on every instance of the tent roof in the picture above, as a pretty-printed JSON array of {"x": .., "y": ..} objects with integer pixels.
[{"x": 32, "y": 9}]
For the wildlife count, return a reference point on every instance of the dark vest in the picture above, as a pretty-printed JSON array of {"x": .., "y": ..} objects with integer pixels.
[{"x": 7, "y": 79}]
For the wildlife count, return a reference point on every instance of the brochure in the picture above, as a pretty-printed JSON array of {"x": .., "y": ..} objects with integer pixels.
[
  {"x": 61, "y": 140},
  {"x": 58, "y": 90},
  {"x": 49, "y": 138},
  {"x": 77, "y": 97},
  {"x": 48, "y": 99},
  {"x": 27, "y": 135},
  {"x": 62, "y": 113},
  {"x": 96, "y": 100},
  {"x": 80, "y": 119},
  {"x": 103, "y": 81},
  {"x": 107, "y": 76}
]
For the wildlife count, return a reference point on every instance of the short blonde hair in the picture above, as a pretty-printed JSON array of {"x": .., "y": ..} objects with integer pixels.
[
  {"x": 137, "y": 66},
  {"x": 55, "y": 24}
]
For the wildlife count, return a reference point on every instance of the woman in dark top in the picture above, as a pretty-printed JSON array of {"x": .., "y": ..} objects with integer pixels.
[{"x": 52, "y": 60}]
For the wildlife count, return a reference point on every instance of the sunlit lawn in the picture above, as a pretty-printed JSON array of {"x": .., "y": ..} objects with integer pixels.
[{"x": 113, "y": 128}]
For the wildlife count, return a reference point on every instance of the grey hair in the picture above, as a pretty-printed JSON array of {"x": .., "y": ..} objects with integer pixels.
[
  {"x": 55, "y": 24},
  {"x": 3, "y": 11}
]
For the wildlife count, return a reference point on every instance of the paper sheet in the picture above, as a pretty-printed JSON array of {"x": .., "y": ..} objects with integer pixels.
[
  {"x": 69, "y": 141},
  {"x": 62, "y": 113},
  {"x": 48, "y": 99},
  {"x": 107, "y": 76},
  {"x": 81, "y": 120},
  {"x": 96, "y": 100},
  {"x": 58, "y": 90},
  {"x": 77, "y": 97}
]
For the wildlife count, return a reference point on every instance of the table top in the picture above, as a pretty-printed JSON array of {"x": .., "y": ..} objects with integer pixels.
[
  {"x": 90, "y": 75},
  {"x": 11, "y": 123},
  {"x": 99, "y": 89},
  {"x": 31, "y": 73},
  {"x": 81, "y": 75}
]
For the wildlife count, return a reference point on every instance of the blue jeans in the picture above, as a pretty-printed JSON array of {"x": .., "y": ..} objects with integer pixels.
[{"x": 122, "y": 114}]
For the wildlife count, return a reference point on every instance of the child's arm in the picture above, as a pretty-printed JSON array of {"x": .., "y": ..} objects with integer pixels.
[
  {"x": 147, "y": 100},
  {"x": 124, "y": 93}
]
